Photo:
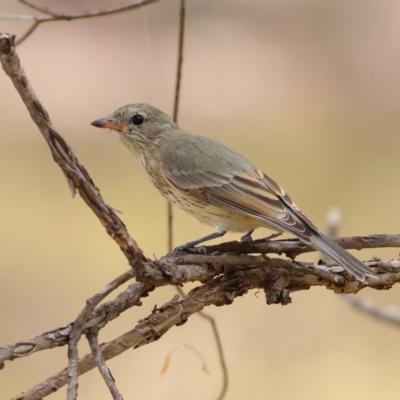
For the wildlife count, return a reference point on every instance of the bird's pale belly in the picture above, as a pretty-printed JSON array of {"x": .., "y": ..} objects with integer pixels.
[{"x": 220, "y": 218}]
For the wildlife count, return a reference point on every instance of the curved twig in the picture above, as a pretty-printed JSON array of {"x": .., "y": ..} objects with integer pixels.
[
  {"x": 54, "y": 16},
  {"x": 101, "y": 365},
  {"x": 389, "y": 314}
]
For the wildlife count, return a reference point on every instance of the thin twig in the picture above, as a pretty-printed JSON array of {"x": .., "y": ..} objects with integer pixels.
[
  {"x": 170, "y": 226},
  {"x": 389, "y": 314},
  {"x": 44, "y": 10},
  {"x": 170, "y": 210},
  {"x": 384, "y": 313},
  {"x": 293, "y": 247},
  {"x": 29, "y": 32},
  {"x": 60, "y": 336},
  {"x": 182, "y": 15},
  {"x": 101, "y": 365},
  {"x": 76, "y": 174},
  {"x": 224, "y": 368},
  {"x": 54, "y": 16},
  {"x": 221, "y": 355},
  {"x": 77, "y": 329},
  {"x": 170, "y": 215}
]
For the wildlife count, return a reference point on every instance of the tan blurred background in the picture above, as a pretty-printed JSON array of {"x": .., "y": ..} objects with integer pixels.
[{"x": 308, "y": 90}]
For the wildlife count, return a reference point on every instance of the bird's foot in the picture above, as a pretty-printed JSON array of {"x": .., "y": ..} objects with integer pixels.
[
  {"x": 191, "y": 248},
  {"x": 198, "y": 250},
  {"x": 247, "y": 237},
  {"x": 184, "y": 247}
]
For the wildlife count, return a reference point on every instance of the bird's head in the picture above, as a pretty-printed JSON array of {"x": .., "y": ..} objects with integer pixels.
[{"x": 139, "y": 126}]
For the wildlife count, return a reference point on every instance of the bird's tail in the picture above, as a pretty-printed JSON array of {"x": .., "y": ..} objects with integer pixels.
[{"x": 327, "y": 246}]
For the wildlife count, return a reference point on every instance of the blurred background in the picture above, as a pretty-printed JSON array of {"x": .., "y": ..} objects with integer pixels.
[{"x": 307, "y": 90}]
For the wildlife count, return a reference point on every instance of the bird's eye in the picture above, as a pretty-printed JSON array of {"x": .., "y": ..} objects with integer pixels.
[{"x": 137, "y": 119}]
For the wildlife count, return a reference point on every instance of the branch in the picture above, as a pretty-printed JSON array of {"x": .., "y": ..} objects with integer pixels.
[
  {"x": 293, "y": 247},
  {"x": 385, "y": 313},
  {"x": 293, "y": 276},
  {"x": 101, "y": 365},
  {"x": 97, "y": 320},
  {"x": 77, "y": 176},
  {"x": 54, "y": 16},
  {"x": 76, "y": 333},
  {"x": 178, "y": 270},
  {"x": 170, "y": 215},
  {"x": 219, "y": 291}
]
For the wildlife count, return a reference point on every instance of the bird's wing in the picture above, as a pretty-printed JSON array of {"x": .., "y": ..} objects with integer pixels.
[{"x": 250, "y": 193}]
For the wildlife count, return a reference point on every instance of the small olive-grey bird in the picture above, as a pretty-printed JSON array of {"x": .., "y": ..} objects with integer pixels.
[{"x": 215, "y": 184}]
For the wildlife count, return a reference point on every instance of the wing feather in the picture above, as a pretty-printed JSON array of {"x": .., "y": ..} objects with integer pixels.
[{"x": 250, "y": 193}]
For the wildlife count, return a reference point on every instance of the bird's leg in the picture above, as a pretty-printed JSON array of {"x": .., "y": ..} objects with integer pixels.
[
  {"x": 247, "y": 237},
  {"x": 189, "y": 245}
]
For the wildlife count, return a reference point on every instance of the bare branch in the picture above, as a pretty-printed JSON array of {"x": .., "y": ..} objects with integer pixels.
[
  {"x": 170, "y": 215},
  {"x": 224, "y": 368},
  {"x": 180, "y": 60},
  {"x": 38, "y": 8},
  {"x": 54, "y": 16},
  {"x": 220, "y": 350},
  {"x": 60, "y": 336},
  {"x": 77, "y": 329},
  {"x": 222, "y": 290},
  {"x": 181, "y": 269},
  {"x": 101, "y": 365},
  {"x": 385, "y": 313},
  {"x": 77, "y": 176},
  {"x": 293, "y": 247},
  {"x": 29, "y": 32}
]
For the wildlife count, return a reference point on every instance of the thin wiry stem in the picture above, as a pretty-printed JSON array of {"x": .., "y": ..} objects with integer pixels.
[
  {"x": 101, "y": 365},
  {"x": 170, "y": 217},
  {"x": 225, "y": 380},
  {"x": 170, "y": 212},
  {"x": 54, "y": 16},
  {"x": 180, "y": 60},
  {"x": 73, "y": 356},
  {"x": 44, "y": 10},
  {"x": 211, "y": 320},
  {"x": 28, "y": 32},
  {"x": 389, "y": 314}
]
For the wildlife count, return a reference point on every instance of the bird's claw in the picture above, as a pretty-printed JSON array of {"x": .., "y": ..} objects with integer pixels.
[
  {"x": 199, "y": 249},
  {"x": 191, "y": 248},
  {"x": 184, "y": 247}
]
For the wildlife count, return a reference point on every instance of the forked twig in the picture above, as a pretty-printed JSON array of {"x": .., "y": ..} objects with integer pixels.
[{"x": 52, "y": 16}]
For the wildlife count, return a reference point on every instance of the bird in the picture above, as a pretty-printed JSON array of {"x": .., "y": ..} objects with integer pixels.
[{"x": 215, "y": 184}]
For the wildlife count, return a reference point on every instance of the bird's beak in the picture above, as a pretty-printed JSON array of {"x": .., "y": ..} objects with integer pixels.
[{"x": 108, "y": 123}]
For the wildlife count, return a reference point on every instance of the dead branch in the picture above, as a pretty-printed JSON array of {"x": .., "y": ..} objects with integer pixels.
[
  {"x": 219, "y": 291},
  {"x": 101, "y": 365},
  {"x": 293, "y": 276},
  {"x": 389, "y": 314},
  {"x": 170, "y": 215},
  {"x": 52, "y": 16},
  {"x": 293, "y": 247},
  {"x": 76, "y": 333},
  {"x": 97, "y": 320},
  {"x": 77, "y": 176}
]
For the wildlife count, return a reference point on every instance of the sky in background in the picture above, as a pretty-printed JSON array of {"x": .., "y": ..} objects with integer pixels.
[{"x": 307, "y": 90}]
